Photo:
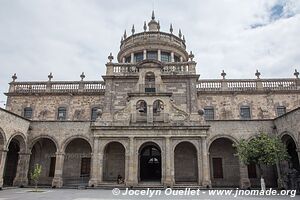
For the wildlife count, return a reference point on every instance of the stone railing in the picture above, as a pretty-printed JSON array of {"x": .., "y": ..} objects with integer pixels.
[
  {"x": 248, "y": 85},
  {"x": 57, "y": 87},
  {"x": 153, "y": 36},
  {"x": 171, "y": 68}
]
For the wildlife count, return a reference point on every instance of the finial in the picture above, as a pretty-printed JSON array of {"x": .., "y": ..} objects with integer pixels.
[
  {"x": 296, "y": 73},
  {"x": 122, "y": 39},
  {"x": 153, "y": 16},
  {"x": 82, "y": 76},
  {"x": 223, "y": 74},
  {"x": 125, "y": 35},
  {"x": 179, "y": 34},
  {"x": 171, "y": 28},
  {"x": 183, "y": 39},
  {"x": 158, "y": 25},
  {"x": 14, "y": 77},
  {"x": 191, "y": 56},
  {"x": 257, "y": 74},
  {"x": 110, "y": 57},
  {"x": 145, "y": 26},
  {"x": 50, "y": 76},
  {"x": 132, "y": 30}
]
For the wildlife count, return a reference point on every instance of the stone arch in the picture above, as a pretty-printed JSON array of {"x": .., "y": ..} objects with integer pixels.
[
  {"x": 211, "y": 140},
  {"x": 291, "y": 145},
  {"x": 43, "y": 151},
  {"x": 2, "y": 140},
  {"x": 150, "y": 162},
  {"x": 77, "y": 161},
  {"x": 114, "y": 161},
  {"x": 20, "y": 137},
  {"x": 185, "y": 162},
  {"x": 51, "y": 138},
  {"x": 224, "y": 163},
  {"x": 65, "y": 143}
]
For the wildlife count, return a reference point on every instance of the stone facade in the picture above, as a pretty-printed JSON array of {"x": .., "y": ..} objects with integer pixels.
[{"x": 151, "y": 122}]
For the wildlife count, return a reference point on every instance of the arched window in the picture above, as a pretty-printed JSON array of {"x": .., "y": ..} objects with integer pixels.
[
  {"x": 149, "y": 82},
  {"x": 28, "y": 112},
  {"x": 158, "y": 107},
  {"x": 62, "y": 113},
  {"x": 141, "y": 106}
]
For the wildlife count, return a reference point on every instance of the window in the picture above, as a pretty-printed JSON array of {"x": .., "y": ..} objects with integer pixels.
[
  {"x": 209, "y": 113},
  {"x": 152, "y": 55},
  {"x": 217, "y": 168},
  {"x": 176, "y": 59},
  {"x": 165, "y": 57},
  {"x": 150, "y": 82},
  {"x": 128, "y": 59},
  {"x": 252, "y": 171},
  {"x": 28, "y": 112},
  {"x": 245, "y": 112},
  {"x": 52, "y": 166},
  {"x": 94, "y": 113},
  {"x": 281, "y": 110},
  {"x": 62, "y": 113},
  {"x": 158, "y": 107},
  {"x": 138, "y": 57},
  {"x": 85, "y": 167},
  {"x": 141, "y": 106}
]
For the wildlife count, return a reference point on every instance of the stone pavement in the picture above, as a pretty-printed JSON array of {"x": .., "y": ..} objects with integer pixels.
[{"x": 103, "y": 194}]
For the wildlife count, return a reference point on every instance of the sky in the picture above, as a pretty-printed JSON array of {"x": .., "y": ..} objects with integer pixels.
[{"x": 68, "y": 37}]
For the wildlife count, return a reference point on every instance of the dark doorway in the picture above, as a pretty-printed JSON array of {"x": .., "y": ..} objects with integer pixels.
[
  {"x": 150, "y": 163},
  {"x": 11, "y": 163}
]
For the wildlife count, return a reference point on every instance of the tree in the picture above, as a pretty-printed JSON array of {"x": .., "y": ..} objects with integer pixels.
[
  {"x": 262, "y": 150},
  {"x": 35, "y": 174}
]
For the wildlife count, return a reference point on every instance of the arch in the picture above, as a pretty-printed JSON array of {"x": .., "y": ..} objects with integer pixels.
[
  {"x": 283, "y": 135},
  {"x": 211, "y": 140},
  {"x": 224, "y": 164},
  {"x": 150, "y": 162},
  {"x": 2, "y": 139},
  {"x": 114, "y": 162},
  {"x": 77, "y": 161},
  {"x": 43, "y": 152},
  {"x": 69, "y": 139},
  {"x": 158, "y": 106},
  {"x": 291, "y": 147},
  {"x": 141, "y": 106},
  {"x": 185, "y": 162},
  {"x": 20, "y": 137},
  {"x": 35, "y": 139}
]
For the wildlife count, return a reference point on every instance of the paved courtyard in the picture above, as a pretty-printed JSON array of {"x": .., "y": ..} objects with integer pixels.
[{"x": 101, "y": 194}]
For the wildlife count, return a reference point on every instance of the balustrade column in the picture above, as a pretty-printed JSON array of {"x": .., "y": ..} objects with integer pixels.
[
  {"x": 58, "y": 173},
  {"x": 21, "y": 178},
  {"x": 2, "y": 165}
]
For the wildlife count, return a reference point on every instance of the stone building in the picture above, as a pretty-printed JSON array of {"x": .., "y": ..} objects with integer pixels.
[{"x": 151, "y": 120}]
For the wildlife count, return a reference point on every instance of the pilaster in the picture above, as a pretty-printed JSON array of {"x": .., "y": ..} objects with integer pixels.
[{"x": 21, "y": 178}]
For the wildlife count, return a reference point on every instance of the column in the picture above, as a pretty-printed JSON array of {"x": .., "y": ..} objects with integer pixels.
[
  {"x": 132, "y": 57},
  {"x": 172, "y": 57},
  {"x": 205, "y": 162},
  {"x": 169, "y": 178},
  {"x": 21, "y": 178},
  {"x": 95, "y": 163},
  {"x": 145, "y": 54},
  {"x": 59, "y": 166},
  {"x": 123, "y": 60},
  {"x": 244, "y": 179},
  {"x": 2, "y": 165},
  {"x": 131, "y": 179},
  {"x": 159, "y": 54},
  {"x": 200, "y": 163}
]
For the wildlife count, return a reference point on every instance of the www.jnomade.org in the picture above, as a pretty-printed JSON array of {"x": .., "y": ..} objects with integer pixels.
[{"x": 196, "y": 192}]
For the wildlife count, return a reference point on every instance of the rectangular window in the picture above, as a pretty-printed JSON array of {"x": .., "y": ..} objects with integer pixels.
[
  {"x": 245, "y": 112},
  {"x": 252, "y": 171},
  {"x": 94, "y": 113},
  {"x": 28, "y": 112},
  {"x": 165, "y": 57},
  {"x": 217, "y": 168},
  {"x": 138, "y": 57},
  {"x": 152, "y": 55},
  {"x": 62, "y": 113},
  {"x": 209, "y": 113},
  {"x": 281, "y": 110},
  {"x": 85, "y": 167},
  {"x": 52, "y": 166},
  {"x": 128, "y": 59}
]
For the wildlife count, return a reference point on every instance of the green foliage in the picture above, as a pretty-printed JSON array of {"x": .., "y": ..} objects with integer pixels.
[
  {"x": 262, "y": 150},
  {"x": 36, "y": 173}
]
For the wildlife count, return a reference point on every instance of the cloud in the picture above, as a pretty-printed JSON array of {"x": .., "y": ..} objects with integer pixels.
[{"x": 74, "y": 36}]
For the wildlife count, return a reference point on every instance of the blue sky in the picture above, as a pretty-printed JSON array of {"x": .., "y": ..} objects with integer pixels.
[{"x": 68, "y": 37}]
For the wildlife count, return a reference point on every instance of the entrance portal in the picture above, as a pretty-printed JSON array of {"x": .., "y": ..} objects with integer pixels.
[{"x": 150, "y": 163}]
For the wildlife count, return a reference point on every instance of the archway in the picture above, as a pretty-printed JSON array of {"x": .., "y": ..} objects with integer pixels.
[
  {"x": 293, "y": 162},
  {"x": 150, "y": 162},
  {"x": 77, "y": 162},
  {"x": 185, "y": 163},
  {"x": 11, "y": 163},
  {"x": 43, "y": 153},
  {"x": 224, "y": 164},
  {"x": 113, "y": 161}
]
